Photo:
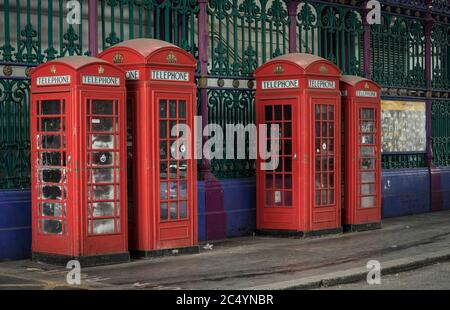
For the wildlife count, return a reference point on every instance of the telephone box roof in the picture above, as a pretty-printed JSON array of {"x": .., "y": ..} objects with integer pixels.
[
  {"x": 76, "y": 62},
  {"x": 353, "y": 80},
  {"x": 305, "y": 62},
  {"x": 145, "y": 46}
]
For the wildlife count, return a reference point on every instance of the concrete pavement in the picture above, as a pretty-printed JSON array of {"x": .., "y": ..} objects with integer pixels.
[{"x": 266, "y": 262}]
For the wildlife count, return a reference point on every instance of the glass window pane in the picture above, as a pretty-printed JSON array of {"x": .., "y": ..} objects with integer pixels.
[
  {"x": 182, "y": 109},
  {"x": 163, "y": 109},
  {"x": 53, "y": 227},
  {"x": 51, "y": 192},
  {"x": 50, "y": 124},
  {"x": 330, "y": 112},
  {"x": 103, "y": 226},
  {"x": 367, "y": 127},
  {"x": 183, "y": 189},
  {"x": 51, "y": 141},
  {"x": 183, "y": 169},
  {"x": 104, "y": 175},
  {"x": 174, "y": 210},
  {"x": 368, "y": 189},
  {"x": 268, "y": 112},
  {"x": 278, "y": 113},
  {"x": 163, "y": 129},
  {"x": 367, "y": 164},
  {"x": 367, "y": 202},
  {"x": 183, "y": 210},
  {"x": 172, "y": 109},
  {"x": 287, "y": 113},
  {"x": 367, "y": 151},
  {"x": 102, "y": 125},
  {"x": 173, "y": 190},
  {"x": 278, "y": 198},
  {"x": 163, "y": 170},
  {"x": 50, "y": 107},
  {"x": 288, "y": 181},
  {"x": 100, "y": 209},
  {"x": 368, "y": 139},
  {"x": 102, "y": 158},
  {"x": 103, "y": 141},
  {"x": 317, "y": 198},
  {"x": 287, "y": 165},
  {"x": 163, "y": 191},
  {"x": 52, "y": 209},
  {"x": 287, "y": 130},
  {"x": 51, "y": 159},
  {"x": 102, "y": 107},
  {"x": 287, "y": 147},
  {"x": 368, "y": 177},
  {"x": 164, "y": 211},
  {"x": 102, "y": 192},
  {"x": 52, "y": 175},
  {"x": 163, "y": 150},
  {"x": 288, "y": 199},
  {"x": 279, "y": 181}
]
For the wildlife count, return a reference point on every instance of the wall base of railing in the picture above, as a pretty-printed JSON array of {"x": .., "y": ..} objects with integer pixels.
[{"x": 15, "y": 224}]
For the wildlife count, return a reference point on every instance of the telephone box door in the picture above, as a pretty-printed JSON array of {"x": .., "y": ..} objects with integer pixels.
[
  {"x": 368, "y": 178},
  {"x": 326, "y": 141},
  {"x": 176, "y": 173},
  {"x": 278, "y": 208},
  {"x": 104, "y": 168},
  {"x": 51, "y": 171}
]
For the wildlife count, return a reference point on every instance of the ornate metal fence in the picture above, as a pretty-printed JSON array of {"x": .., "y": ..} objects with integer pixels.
[
  {"x": 440, "y": 56},
  {"x": 31, "y": 32},
  {"x": 334, "y": 32},
  {"x": 398, "y": 52},
  {"x": 440, "y": 116},
  {"x": 242, "y": 35},
  {"x": 169, "y": 20}
]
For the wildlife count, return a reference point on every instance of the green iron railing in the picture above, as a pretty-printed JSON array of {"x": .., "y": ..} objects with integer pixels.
[
  {"x": 14, "y": 134},
  {"x": 440, "y": 56},
  {"x": 398, "y": 52},
  {"x": 403, "y": 161},
  {"x": 31, "y": 32},
  {"x": 36, "y": 31},
  {"x": 334, "y": 32},
  {"x": 245, "y": 34},
  {"x": 173, "y": 21},
  {"x": 440, "y": 131}
]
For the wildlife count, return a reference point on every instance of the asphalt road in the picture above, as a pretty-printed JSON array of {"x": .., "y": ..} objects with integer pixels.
[{"x": 434, "y": 277}]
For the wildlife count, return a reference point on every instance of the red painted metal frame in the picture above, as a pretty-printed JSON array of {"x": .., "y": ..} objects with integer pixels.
[
  {"x": 304, "y": 216},
  {"x": 75, "y": 241},
  {"x": 352, "y": 105},
  {"x": 147, "y": 231}
]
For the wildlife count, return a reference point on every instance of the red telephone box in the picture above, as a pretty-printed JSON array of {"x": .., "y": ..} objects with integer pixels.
[
  {"x": 300, "y": 93},
  {"x": 78, "y": 153},
  {"x": 362, "y": 153},
  {"x": 161, "y": 94}
]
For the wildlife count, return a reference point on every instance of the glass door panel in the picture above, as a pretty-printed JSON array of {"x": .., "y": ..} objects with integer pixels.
[
  {"x": 51, "y": 167},
  {"x": 173, "y": 170},
  {"x": 278, "y": 182},
  {"x": 324, "y": 155},
  {"x": 103, "y": 167},
  {"x": 367, "y": 158}
]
